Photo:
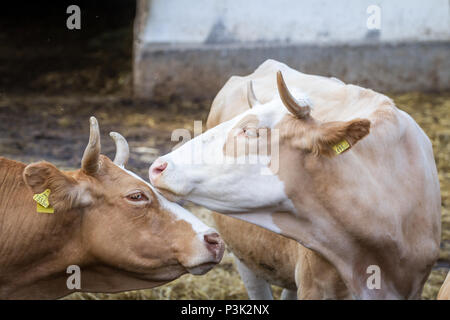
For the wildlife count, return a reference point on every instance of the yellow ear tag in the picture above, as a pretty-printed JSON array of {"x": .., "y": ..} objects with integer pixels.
[
  {"x": 43, "y": 205},
  {"x": 341, "y": 146}
]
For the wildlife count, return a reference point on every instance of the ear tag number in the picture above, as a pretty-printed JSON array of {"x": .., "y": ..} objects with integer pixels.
[
  {"x": 43, "y": 205},
  {"x": 341, "y": 146}
]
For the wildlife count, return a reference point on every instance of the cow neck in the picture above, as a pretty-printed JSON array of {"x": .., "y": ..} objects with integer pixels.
[
  {"x": 32, "y": 245},
  {"x": 324, "y": 223}
]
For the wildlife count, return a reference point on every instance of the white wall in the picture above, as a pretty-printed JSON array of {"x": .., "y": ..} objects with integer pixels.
[{"x": 293, "y": 21}]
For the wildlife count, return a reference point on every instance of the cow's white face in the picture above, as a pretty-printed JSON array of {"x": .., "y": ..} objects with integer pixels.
[
  {"x": 231, "y": 167},
  {"x": 235, "y": 166}
]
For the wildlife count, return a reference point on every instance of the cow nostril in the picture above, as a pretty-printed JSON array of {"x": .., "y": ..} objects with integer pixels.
[
  {"x": 212, "y": 238},
  {"x": 215, "y": 245},
  {"x": 158, "y": 168}
]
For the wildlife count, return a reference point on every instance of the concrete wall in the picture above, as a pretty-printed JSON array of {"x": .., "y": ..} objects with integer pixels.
[
  {"x": 292, "y": 21},
  {"x": 190, "y": 48}
]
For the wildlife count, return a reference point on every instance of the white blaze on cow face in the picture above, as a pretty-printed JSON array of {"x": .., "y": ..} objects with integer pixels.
[
  {"x": 202, "y": 258},
  {"x": 231, "y": 167}
]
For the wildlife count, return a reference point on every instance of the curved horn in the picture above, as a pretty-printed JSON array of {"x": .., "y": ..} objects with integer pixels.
[
  {"x": 300, "y": 111},
  {"x": 90, "y": 161},
  {"x": 122, "y": 149},
  {"x": 251, "y": 97}
]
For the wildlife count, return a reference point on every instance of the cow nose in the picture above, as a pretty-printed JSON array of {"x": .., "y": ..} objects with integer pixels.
[
  {"x": 157, "y": 168},
  {"x": 215, "y": 245}
]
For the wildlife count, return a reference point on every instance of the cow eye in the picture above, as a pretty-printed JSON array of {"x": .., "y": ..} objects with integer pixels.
[
  {"x": 251, "y": 132},
  {"x": 137, "y": 196}
]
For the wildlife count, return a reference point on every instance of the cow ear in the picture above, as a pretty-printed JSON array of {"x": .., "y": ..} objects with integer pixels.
[
  {"x": 334, "y": 138},
  {"x": 65, "y": 192}
]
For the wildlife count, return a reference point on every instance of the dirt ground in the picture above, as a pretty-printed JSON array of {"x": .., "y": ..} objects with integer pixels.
[{"x": 56, "y": 128}]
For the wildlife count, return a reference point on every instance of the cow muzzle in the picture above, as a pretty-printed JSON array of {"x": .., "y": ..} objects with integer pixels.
[
  {"x": 215, "y": 245},
  {"x": 157, "y": 169},
  {"x": 215, "y": 248},
  {"x": 169, "y": 179}
]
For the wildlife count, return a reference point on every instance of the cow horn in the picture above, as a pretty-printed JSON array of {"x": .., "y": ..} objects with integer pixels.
[
  {"x": 90, "y": 162},
  {"x": 122, "y": 149},
  {"x": 251, "y": 97},
  {"x": 300, "y": 111}
]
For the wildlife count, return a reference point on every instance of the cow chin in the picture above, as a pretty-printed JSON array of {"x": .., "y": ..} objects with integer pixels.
[
  {"x": 207, "y": 256},
  {"x": 202, "y": 268},
  {"x": 205, "y": 262}
]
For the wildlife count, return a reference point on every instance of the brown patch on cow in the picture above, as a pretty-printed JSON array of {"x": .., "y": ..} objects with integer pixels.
[
  {"x": 280, "y": 260},
  {"x": 319, "y": 138},
  {"x": 271, "y": 256},
  {"x": 238, "y": 144},
  {"x": 318, "y": 279}
]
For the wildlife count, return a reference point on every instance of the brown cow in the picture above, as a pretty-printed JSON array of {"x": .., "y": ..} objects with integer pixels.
[
  {"x": 264, "y": 257},
  {"x": 106, "y": 220}
]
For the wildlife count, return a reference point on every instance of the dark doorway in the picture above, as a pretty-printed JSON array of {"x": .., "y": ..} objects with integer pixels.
[{"x": 39, "y": 54}]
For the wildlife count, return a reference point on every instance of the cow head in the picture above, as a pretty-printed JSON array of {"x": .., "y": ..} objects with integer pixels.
[
  {"x": 127, "y": 235},
  {"x": 236, "y": 167}
]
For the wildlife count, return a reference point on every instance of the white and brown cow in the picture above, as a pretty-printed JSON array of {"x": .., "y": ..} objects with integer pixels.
[
  {"x": 106, "y": 220},
  {"x": 264, "y": 257},
  {"x": 369, "y": 203}
]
